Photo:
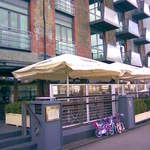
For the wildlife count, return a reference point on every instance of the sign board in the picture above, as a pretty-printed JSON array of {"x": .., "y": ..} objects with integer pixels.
[{"x": 52, "y": 113}]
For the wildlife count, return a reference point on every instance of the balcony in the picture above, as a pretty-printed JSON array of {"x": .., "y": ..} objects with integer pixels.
[
  {"x": 65, "y": 6},
  {"x": 101, "y": 19},
  {"x": 15, "y": 39},
  {"x": 107, "y": 53},
  {"x": 136, "y": 59},
  {"x": 142, "y": 12},
  {"x": 65, "y": 48},
  {"x": 125, "y": 5},
  {"x": 144, "y": 38},
  {"x": 129, "y": 31}
]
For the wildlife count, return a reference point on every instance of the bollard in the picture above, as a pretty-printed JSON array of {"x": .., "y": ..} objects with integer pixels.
[{"x": 126, "y": 107}]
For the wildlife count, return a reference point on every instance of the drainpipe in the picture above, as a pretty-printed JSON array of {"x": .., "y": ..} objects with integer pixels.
[
  {"x": 44, "y": 29},
  {"x": 44, "y": 46}
]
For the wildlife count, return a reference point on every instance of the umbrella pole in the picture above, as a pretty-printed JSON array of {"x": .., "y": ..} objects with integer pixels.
[{"x": 67, "y": 85}]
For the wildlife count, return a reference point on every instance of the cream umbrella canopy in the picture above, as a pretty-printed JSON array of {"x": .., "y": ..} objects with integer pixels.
[
  {"x": 57, "y": 68},
  {"x": 64, "y": 66},
  {"x": 132, "y": 72}
]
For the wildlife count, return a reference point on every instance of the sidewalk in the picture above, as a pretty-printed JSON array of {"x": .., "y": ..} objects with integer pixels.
[
  {"x": 137, "y": 139},
  {"x": 91, "y": 141}
]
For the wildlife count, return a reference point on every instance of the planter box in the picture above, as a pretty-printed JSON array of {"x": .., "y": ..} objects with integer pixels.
[
  {"x": 15, "y": 119},
  {"x": 142, "y": 117}
]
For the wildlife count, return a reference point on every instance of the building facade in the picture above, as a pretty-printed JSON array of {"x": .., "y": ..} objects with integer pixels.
[{"x": 104, "y": 30}]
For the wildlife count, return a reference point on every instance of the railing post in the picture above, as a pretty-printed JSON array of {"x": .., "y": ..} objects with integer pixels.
[
  {"x": 113, "y": 99},
  {"x": 24, "y": 121},
  {"x": 87, "y": 104}
]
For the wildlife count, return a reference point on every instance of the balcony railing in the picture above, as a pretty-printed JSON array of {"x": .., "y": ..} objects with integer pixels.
[
  {"x": 129, "y": 31},
  {"x": 125, "y": 5},
  {"x": 107, "y": 53},
  {"x": 142, "y": 12},
  {"x": 144, "y": 38},
  {"x": 65, "y": 48},
  {"x": 65, "y": 6},
  {"x": 101, "y": 18},
  {"x": 98, "y": 52},
  {"x": 15, "y": 39}
]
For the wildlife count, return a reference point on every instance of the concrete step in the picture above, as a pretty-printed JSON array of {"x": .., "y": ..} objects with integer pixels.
[
  {"x": 23, "y": 146},
  {"x": 14, "y": 141},
  {"x": 10, "y": 134}
]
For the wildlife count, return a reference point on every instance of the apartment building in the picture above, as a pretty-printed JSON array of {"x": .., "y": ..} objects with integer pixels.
[{"x": 104, "y": 30}]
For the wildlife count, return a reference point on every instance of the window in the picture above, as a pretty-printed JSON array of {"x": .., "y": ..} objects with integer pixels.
[
  {"x": 3, "y": 17},
  {"x": 64, "y": 34},
  {"x": 97, "y": 46},
  {"x": 64, "y": 28},
  {"x": 14, "y": 26}
]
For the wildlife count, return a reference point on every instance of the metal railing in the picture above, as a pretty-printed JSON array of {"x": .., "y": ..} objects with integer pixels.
[
  {"x": 65, "y": 48},
  {"x": 26, "y": 109},
  {"x": 15, "y": 39},
  {"x": 65, "y": 6},
  {"x": 83, "y": 110},
  {"x": 97, "y": 53}
]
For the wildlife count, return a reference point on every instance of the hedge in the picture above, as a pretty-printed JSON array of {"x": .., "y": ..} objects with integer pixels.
[{"x": 140, "y": 106}]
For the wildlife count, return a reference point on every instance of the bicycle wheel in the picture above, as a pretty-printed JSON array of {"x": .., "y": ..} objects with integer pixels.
[
  {"x": 120, "y": 127},
  {"x": 98, "y": 133}
]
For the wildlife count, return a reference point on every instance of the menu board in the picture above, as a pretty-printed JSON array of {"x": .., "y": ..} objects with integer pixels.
[{"x": 52, "y": 113}]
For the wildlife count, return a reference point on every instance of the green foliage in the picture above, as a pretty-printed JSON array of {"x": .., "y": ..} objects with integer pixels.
[
  {"x": 14, "y": 108},
  {"x": 147, "y": 102},
  {"x": 140, "y": 106}
]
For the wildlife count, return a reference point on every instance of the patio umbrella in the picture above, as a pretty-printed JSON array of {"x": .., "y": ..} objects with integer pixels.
[
  {"x": 64, "y": 66},
  {"x": 59, "y": 67},
  {"x": 132, "y": 72}
]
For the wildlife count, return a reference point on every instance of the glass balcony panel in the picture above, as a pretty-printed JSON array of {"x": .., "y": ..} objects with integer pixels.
[
  {"x": 65, "y": 48},
  {"x": 111, "y": 16},
  {"x": 136, "y": 59},
  {"x": 65, "y": 6},
  {"x": 147, "y": 35},
  {"x": 133, "y": 28},
  {"x": 12, "y": 38},
  {"x": 113, "y": 53},
  {"x": 146, "y": 9}
]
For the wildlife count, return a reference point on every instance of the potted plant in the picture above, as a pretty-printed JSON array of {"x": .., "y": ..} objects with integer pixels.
[{"x": 13, "y": 114}]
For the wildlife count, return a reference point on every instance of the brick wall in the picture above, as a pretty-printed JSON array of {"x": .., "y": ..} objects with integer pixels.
[
  {"x": 82, "y": 28},
  {"x": 36, "y": 20}
]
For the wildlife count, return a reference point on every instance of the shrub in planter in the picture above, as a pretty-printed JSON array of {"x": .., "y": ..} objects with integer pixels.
[
  {"x": 147, "y": 102},
  {"x": 14, "y": 107},
  {"x": 140, "y": 106},
  {"x": 13, "y": 114}
]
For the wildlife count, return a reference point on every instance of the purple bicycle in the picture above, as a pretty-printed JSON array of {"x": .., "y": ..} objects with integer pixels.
[{"x": 105, "y": 127}]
